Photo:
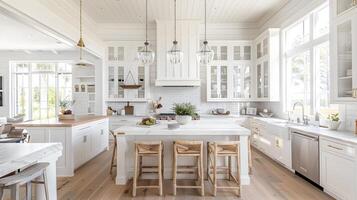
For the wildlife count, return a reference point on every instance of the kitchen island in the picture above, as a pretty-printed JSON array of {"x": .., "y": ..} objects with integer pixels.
[
  {"x": 82, "y": 139},
  {"x": 16, "y": 156},
  {"x": 206, "y": 130}
]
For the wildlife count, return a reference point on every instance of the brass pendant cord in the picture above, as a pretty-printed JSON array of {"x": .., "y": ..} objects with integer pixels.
[
  {"x": 146, "y": 23},
  {"x": 205, "y": 20},
  {"x": 175, "y": 22},
  {"x": 80, "y": 42}
]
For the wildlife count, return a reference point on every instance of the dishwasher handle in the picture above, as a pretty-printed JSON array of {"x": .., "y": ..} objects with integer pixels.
[{"x": 309, "y": 137}]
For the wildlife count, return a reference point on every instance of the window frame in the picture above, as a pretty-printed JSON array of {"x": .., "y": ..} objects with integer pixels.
[
  {"x": 309, "y": 46},
  {"x": 13, "y": 84}
]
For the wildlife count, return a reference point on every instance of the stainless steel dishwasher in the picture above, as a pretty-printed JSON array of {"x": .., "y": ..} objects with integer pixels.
[{"x": 305, "y": 155}]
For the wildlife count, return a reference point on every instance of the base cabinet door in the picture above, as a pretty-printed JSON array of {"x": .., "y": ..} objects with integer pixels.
[{"x": 338, "y": 176}]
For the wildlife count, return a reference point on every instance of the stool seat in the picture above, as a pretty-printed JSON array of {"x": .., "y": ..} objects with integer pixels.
[
  {"x": 223, "y": 149},
  {"x": 26, "y": 176}
]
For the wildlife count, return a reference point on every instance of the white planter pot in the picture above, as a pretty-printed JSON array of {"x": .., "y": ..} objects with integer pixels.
[
  {"x": 333, "y": 125},
  {"x": 183, "y": 119}
]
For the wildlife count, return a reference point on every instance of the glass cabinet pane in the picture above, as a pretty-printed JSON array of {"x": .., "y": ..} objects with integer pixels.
[
  {"x": 141, "y": 81},
  {"x": 214, "y": 82},
  {"x": 265, "y": 46},
  {"x": 111, "y": 53},
  {"x": 237, "y": 82},
  {"x": 343, "y": 5},
  {"x": 224, "y": 53},
  {"x": 111, "y": 80},
  {"x": 266, "y": 79},
  {"x": 259, "y": 81},
  {"x": 214, "y": 49},
  {"x": 120, "y": 53},
  {"x": 344, "y": 59},
  {"x": 120, "y": 81},
  {"x": 247, "y": 53},
  {"x": 236, "y": 53},
  {"x": 224, "y": 82},
  {"x": 259, "y": 50},
  {"x": 247, "y": 81}
]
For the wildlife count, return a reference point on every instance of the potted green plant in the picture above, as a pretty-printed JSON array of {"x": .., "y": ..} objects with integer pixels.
[
  {"x": 184, "y": 112},
  {"x": 333, "y": 121}
]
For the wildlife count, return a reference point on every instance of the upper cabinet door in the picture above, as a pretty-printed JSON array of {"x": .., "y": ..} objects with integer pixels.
[{"x": 342, "y": 6}]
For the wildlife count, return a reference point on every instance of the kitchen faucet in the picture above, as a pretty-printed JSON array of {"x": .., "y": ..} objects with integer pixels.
[{"x": 304, "y": 118}]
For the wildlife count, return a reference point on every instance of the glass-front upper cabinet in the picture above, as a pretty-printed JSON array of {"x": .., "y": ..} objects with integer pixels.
[
  {"x": 344, "y": 5},
  {"x": 259, "y": 81},
  {"x": 241, "y": 81},
  {"x": 220, "y": 52},
  {"x": 218, "y": 82},
  {"x": 242, "y": 52},
  {"x": 125, "y": 69}
]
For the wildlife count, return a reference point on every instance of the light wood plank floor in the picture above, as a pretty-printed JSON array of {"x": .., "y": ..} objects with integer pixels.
[{"x": 269, "y": 181}]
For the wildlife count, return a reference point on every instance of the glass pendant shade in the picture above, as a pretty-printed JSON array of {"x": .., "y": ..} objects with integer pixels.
[
  {"x": 146, "y": 55},
  {"x": 175, "y": 55},
  {"x": 205, "y": 55}
]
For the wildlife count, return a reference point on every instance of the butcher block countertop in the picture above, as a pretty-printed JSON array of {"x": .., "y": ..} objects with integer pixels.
[{"x": 55, "y": 122}]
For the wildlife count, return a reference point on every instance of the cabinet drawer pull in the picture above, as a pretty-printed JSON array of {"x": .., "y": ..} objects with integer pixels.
[
  {"x": 85, "y": 139},
  {"x": 335, "y": 147}
]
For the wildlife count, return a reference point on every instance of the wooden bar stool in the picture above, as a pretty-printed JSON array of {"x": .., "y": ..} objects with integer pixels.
[
  {"x": 223, "y": 150},
  {"x": 27, "y": 176},
  {"x": 113, "y": 164},
  {"x": 188, "y": 149},
  {"x": 145, "y": 149}
]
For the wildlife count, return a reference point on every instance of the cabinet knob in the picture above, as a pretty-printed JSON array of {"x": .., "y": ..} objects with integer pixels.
[{"x": 354, "y": 91}]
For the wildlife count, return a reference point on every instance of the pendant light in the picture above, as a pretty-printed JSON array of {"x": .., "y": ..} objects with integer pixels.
[
  {"x": 145, "y": 55},
  {"x": 205, "y": 55},
  {"x": 80, "y": 44},
  {"x": 175, "y": 55}
]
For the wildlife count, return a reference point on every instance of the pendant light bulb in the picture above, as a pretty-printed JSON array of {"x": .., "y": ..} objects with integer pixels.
[
  {"x": 206, "y": 54},
  {"x": 145, "y": 55},
  {"x": 175, "y": 55}
]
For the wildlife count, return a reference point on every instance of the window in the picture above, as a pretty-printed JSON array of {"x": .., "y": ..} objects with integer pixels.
[
  {"x": 306, "y": 54},
  {"x": 38, "y": 88}
]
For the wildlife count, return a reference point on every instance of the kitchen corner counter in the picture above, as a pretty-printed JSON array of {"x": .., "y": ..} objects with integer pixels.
[
  {"x": 343, "y": 136},
  {"x": 55, "y": 122}
]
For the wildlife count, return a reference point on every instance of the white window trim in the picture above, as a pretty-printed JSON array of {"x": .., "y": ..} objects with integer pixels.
[
  {"x": 12, "y": 92},
  {"x": 308, "y": 46}
]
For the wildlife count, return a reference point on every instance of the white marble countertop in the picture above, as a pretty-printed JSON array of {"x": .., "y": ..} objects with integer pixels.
[
  {"x": 204, "y": 126},
  {"x": 18, "y": 155}
]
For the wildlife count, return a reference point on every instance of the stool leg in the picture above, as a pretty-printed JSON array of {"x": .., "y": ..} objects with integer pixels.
[
  {"x": 208, "y": 161},
  {"x": 15, "y": 192},
  {"x": 113, "y": 156},
  {"x": 1, "y": 193},
  {"x": 229, "y": 167},
  {"x": 202, "y": 177},
  {"x": 160, "y": 171},
  {"x": 135, "y": 171},
  {"x": 238, "y": 171},
  {"x": 174, "y": 170},
  {"x": 250, "y": 157},
  {"x": 215, "y": 171},
  {"x": 45, "y": 184},
  {"x": 28, "y": 191}
]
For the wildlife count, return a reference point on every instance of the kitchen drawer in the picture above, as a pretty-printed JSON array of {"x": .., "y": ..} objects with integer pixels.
[{"x": 338, "y": 147}]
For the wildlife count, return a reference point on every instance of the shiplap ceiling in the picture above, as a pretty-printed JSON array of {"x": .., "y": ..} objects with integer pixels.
[
  {"x": 219, "y": 11},
  {"x": 15, "y": 35}
]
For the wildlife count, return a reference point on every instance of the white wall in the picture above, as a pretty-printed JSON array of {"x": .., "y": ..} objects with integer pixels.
[
  {"x": 7, "y": 56},
  {"x": 171, "y": 95}
]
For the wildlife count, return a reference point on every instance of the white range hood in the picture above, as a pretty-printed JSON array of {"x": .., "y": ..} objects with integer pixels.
[{"x": 187, "y": 73}]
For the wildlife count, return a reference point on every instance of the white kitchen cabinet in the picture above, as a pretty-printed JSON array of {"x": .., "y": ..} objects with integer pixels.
[
  {"x": 272, "y": 140},
  {"x": 80, "y": 142},
  {"x": 186, "y": 73},
  {"x": 229, "y": 76},
  {"x": 343, "y": 52},
  {"x": 125, "y": 68},
  {"x": 338, "y": 169},
  {"x": 267, "y": 49}
]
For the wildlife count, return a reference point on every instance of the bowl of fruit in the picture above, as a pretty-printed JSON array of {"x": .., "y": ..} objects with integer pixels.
[{"x": 148, "y": 121}]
